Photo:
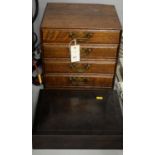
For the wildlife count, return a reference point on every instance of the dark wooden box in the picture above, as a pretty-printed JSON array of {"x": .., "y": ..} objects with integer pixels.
[{"x": 72, "y": 119}]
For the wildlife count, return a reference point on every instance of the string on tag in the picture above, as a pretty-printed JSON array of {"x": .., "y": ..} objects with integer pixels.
[{"x": 72, "y": 41}]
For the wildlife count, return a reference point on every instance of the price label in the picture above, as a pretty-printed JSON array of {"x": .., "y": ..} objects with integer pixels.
[{"x": 75, "y": 53}]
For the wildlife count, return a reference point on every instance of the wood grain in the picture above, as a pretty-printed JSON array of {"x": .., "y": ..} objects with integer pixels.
[
  {"x": 81, "y": 16},
  {"x": 63, "y": 36},
  {"x": 87, "y": 51},
  {"x": 76, "y": 80},
  {"x": 87, "y": 66}
]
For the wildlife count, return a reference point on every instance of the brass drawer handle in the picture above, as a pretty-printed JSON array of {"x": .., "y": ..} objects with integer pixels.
[
  {"x": 80, "y": 69},
  {"x": 72, "y": 35},
  {"x": 86, "y": 51},
  {"x": 78, "y": 80},
  {"x": 85, "y": 37}
]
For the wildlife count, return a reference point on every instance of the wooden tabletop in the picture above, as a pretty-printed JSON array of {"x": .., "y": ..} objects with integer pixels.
[{"x": 80, "y": 16}]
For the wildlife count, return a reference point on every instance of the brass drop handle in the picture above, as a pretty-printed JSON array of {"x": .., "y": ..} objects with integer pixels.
[
  {"x": 86, "y": 51},
  {"x": 86, "y": 36},
  {"x": 78, "y": 80},
  {"x": 72, "y": 35},
  {"x": 80, "y": 69}
]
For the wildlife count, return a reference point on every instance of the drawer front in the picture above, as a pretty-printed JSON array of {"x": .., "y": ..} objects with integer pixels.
[
  {"x": 65, "y": 36},
  {"x": 78, "y": 81},
  {"x": 106, "y": 67},
  {"x": 86, "y": 51}
]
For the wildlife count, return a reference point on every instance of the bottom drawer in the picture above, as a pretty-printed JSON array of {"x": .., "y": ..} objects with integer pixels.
[{"x": 72, "y": 80}]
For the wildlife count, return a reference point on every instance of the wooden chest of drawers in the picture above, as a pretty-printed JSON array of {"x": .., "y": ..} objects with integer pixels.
[{"x": 96, "y": 29}]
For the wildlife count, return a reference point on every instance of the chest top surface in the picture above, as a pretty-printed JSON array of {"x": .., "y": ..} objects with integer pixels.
[{"x": 80, "y": 16}]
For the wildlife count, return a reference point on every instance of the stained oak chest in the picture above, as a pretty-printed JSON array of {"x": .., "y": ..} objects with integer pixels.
[{"x": 96, "y": 29}]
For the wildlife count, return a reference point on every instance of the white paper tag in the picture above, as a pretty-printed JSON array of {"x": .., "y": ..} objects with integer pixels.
[{"x": 75, "y": 53}]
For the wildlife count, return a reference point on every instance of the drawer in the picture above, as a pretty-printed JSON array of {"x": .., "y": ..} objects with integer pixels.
[
  {"x": 86, "y": 51},
  {"x": 65, "y": 66},
  {"x": 75, "y": 80},
  {"x": 82, "y": 36}
]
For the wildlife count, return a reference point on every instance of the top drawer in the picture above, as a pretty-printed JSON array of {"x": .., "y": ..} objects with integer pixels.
[{"x": 82, "y": 36}]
